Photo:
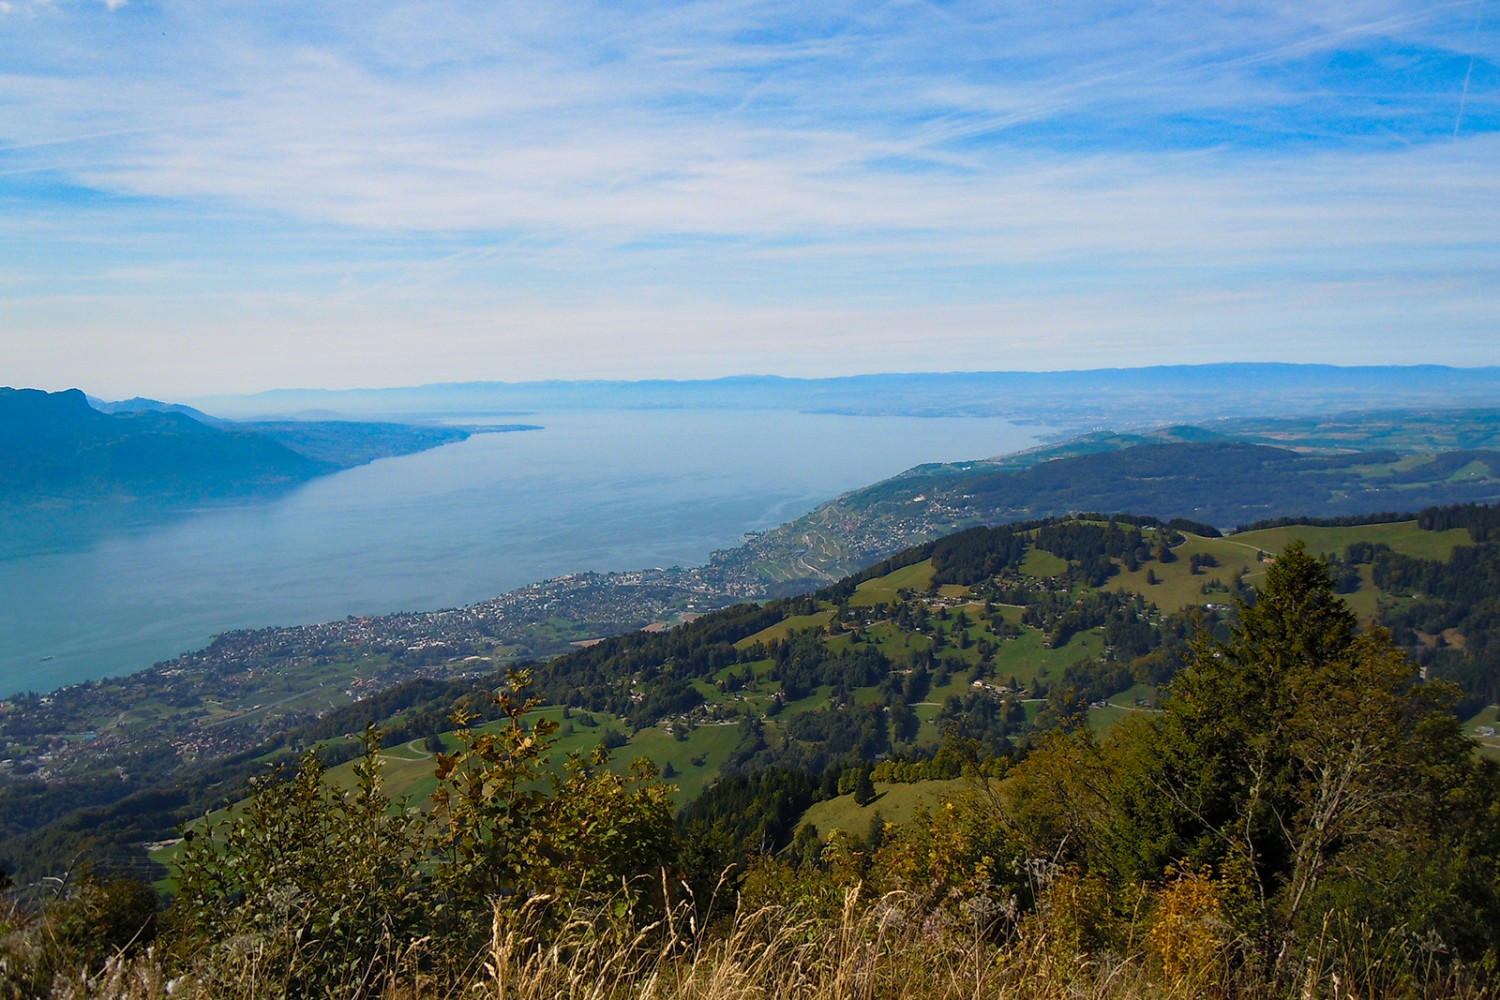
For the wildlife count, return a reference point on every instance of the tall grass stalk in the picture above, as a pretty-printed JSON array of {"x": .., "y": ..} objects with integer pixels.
[{"x": 886, "y": 948}]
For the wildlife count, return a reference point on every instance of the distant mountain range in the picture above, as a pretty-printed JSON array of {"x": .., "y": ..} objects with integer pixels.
[
  {"x": 1072, "y": 401},
  {"x": 56, "y": 448}
]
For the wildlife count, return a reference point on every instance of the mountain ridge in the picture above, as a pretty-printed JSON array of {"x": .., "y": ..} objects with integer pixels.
[
  {"x": 1073, "y": 401},
  {"x": 64, "y": 447},
  {"x": 56, "y": 447}
]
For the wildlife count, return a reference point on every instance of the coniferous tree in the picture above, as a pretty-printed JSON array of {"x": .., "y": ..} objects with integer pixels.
[{"x": 1301, "y": 755}]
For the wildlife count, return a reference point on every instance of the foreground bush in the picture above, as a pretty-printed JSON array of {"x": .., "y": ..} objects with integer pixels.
[
  {"x": 80, "y": 927},
  {"x": 326, "y": 892}
]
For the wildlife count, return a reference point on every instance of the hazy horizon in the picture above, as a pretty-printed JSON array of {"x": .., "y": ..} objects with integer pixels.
[
  {"x": 745, "y": 377},
  {"x": 226, "y": 199}
]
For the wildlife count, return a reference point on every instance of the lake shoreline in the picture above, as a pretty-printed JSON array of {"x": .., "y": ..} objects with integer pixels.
[{"x": 598, "y": 492}]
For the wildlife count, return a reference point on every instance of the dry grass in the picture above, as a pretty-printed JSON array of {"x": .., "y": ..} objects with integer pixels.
[
  {"x": 879, "y": 949},
  {"x": 884, "y": 950}
]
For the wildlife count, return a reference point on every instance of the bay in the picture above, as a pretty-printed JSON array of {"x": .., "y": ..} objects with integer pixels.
[{"x": 596, "y": 490}]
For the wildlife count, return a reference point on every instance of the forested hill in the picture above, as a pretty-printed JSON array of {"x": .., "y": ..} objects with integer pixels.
[
  {"x": 1229, "y": 483},
  {"x": 56, "y": 447},
  {"x": 1060, "y": 612},
  {"x": 1226, "y": 476}
]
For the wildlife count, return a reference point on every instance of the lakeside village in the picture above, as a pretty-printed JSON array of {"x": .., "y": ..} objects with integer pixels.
[{"x": 249, "y": 684}]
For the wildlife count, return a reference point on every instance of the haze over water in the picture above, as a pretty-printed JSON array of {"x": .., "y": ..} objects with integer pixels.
[{"x": 601, "y": 490}]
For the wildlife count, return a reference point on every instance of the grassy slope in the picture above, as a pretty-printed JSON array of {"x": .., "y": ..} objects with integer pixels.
[
  {"x": 1402, "y": 536},
  {"x": 1179, "y": 588},
  {"x": 895, "y": 802},
  {"x": 883, "y": 590}
]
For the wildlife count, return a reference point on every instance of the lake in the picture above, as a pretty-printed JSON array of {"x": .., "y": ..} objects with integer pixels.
[{"x": 598, "y": 490}]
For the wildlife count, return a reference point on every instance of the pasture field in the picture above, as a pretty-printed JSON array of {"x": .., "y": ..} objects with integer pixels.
[
  {"x": 785, "y": 627},
  {"x": 882, "y": 590},
  {"x": 896, "y": 802},
  {"x": 1402, "y": 536},
  {"x": 1040, "y": 563},
  {"x": 1177, "y": 587}
]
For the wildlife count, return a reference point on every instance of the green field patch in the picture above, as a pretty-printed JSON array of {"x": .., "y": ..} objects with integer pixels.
[
  {"x": 957, "y": 683},
  {"x": 583, "y": 739},
  {"x": 411, "y": 750},
  {"x": 1404, "y": 464},
  {"x": 1474, "y": 470},
  {"x": 710, "y": 744},
  {"x": 978, "y": 628},
  {"x": 559, "y": 630},
  {"x": 1138, "y": 696},
  {"x": 1402, "y": 536},
  {"x": 814, "y": 701},
  {"x": 1364, "y": 602},
  {"x": 785, "y": 627},
  {"x": 883, "y": 589},
  {"x": 839, "y": 643},
  {"x": 895, "y": 643},
  {"x": 408, "y": 782},
  {"x": 1177, "y": 587},
  {"x": 1041, "y": 563},
  {"x": 896, "y": 802},
  {"x": 927, "y": 711},
  {"x": 1103, "y": 719},
  {"x": 760, "y": 668},
  {"x": 1476, "y": 727},
  {"x": 1028, "y": 657},
  {"x": 917, "y": 577},
  {"x": 757, "y": 701},
  {"x": 1488, "y": 716},
  {"x": 867, "y": 695},
  {"x": 167, "y": 855}
]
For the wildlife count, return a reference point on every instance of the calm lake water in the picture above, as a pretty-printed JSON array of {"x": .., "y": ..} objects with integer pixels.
[{"x": 608, "y": 490}]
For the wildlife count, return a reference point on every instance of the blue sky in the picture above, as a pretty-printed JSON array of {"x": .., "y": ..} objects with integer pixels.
[{"x": 218, "y": 197}]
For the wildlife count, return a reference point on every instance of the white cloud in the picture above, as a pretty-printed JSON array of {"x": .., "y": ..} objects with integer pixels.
[{"x": 528, "y": 167}]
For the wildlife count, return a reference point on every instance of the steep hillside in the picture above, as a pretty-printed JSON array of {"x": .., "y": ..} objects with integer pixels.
[{"x": 54, "y": 446}]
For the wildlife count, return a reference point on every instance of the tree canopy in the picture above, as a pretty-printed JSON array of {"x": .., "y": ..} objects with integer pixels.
[{"x": 1308, "y": 766}]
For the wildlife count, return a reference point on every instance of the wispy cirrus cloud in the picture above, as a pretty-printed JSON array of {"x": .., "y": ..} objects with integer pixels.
[{"x": 730, "y": 166}]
